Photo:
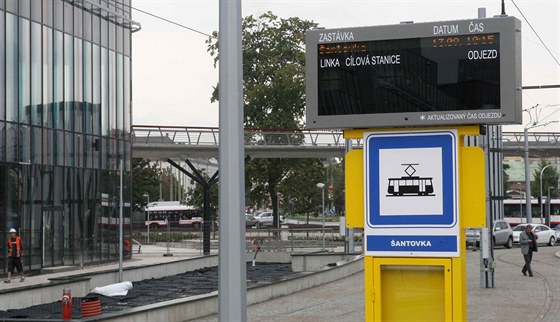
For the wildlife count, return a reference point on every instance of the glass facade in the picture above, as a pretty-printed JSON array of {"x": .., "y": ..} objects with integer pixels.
[{"x": 65, "y": 113}]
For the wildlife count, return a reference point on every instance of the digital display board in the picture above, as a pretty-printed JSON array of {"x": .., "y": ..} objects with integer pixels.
[{"x": 457, "y": 72}]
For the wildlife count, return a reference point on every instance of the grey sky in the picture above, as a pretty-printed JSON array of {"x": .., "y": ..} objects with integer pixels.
[{"x": 173, "y": 74}]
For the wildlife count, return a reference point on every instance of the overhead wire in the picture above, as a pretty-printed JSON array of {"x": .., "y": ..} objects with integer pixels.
[{"x": 536, "y": 33}]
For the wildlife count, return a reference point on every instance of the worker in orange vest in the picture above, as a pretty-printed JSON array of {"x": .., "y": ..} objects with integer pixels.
[{"x": 15, "y": 252}]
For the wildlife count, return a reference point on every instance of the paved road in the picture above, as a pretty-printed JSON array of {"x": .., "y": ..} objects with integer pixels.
[{"x": 515, "y": 297}]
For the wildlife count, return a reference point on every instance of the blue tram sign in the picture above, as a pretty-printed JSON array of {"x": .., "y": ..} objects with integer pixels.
[{"x": 411, "y": 193}]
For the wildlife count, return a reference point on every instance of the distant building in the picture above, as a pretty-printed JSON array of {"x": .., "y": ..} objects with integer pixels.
[{"x": 65, "y": 119}]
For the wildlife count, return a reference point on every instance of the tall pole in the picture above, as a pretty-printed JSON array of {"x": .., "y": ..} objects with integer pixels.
[
  {"x": 121, "y": 221},
  {"x": 529, "y": 213},
  {"x": 323, "y": 211},
  {"x": 540, "y": 191},
  {"x": 232, "y": 279},
  {"x": 148, "y": 211}
]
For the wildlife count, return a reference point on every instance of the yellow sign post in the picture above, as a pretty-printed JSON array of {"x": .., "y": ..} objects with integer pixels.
[{"x": 402, "y": 283}]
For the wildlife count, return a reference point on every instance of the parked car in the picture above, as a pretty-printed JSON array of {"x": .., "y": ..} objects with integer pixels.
[
  {"x": 266, "y": 218},
  {"x": 502, "y": 235},
  {"x": 557, "y": 231},
  {"x": 545, "y": 234},
  {"x": 251, "y": 221}
]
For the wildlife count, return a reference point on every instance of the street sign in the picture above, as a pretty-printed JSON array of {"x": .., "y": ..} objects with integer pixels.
[
  {"x": 411, "y": 190},
  {"x": 419, "y": 74}
]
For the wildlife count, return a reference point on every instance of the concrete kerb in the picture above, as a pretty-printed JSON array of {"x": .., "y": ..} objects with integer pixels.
[
  {"x": 203, "y": 305},
  {"x": 81, "y": 284},
  {"x": 557, "y": 254}
]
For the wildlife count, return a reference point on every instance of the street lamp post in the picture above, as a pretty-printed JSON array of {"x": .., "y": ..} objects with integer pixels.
[
  {"x": 540, "y": 190},
  {"x": 148, "y": 214},
  {"x": 322, "y": 187},
  {"x": 528, "y": 209}
]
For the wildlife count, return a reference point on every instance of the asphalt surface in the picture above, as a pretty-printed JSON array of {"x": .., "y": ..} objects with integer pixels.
[
  {"x": 150, "y": 291},
  {"x": 515, "y": 297}
]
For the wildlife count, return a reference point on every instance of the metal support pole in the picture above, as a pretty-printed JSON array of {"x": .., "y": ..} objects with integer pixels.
[
  {"x": 540, "y": 191},
  {"x": 148, "y": 219},
  {"x": 121, "y": 241},
  {"x": 323, "y": 211},
  {"x": 529, "y": 213},
  {"x": 168, "y": 254},
  {"x": 232, "y": 279}
]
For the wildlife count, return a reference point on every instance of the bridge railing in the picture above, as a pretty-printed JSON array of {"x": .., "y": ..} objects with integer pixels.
[
  {"x": 209, "y": 136},
  {"x": 535, "y": 138}
]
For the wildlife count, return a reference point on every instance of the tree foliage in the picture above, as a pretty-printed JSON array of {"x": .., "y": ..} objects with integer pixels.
[
  {"x": 274, "y": 91},
  {"x": 146, "y": 178},
  {"x": 195, "y": 194},
  {"x": 299, "y": 190},
  {"x": 550, "y": 179}
]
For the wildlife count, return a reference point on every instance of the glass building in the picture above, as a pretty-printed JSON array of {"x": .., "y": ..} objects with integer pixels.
[{"x": 65, "y": 119}]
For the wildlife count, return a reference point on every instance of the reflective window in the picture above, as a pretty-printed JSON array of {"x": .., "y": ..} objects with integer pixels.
[
  {"x": 24, "y": 8},
  {"x": 120, "y": 40},
  {"x": 127, "y": 99},
  {"x": 105, "y": 92},
  {"x": 24, "y": 144},
  {"x": 112, "y": 36},
  {"x": 2, "y": 57},
  {"x": 12, "y": 6},
  {"x": 58, "y": 81},
  {"x": 58, "y": 147},
  {"x": 120, "y": 96},
  {"x": 95, "y": 29},
  {"x": 48, "y": 12},
  {"x": 78, "y": 85},
  {"x": 36, "y": 142},
  {"x": 112, "y": 94},
  {"x": 58, "y": 15},
  {"x": 68, "y": 17},
  {"x": 68, "y": 81},
  {"x": 24, "y": 67},
  {"x": 11, "y": 68},
  {"x": 11, "y": 142},
  {"x": 96, "y": 79},
  {"x": 36, "y": 10},
  {"x": 104, "y": 33},
  {"x": 48, "y": 146},
  {"x": 69, "y": 149},
  {"x": 36, "y": 77},
  {"x": 87, "y": 107},
  {"x": 87, "y": 22},
  {"x": 2, "y": 152},
  {"x": 78, "y": 21},
  {"x": 127, "y": 42},
  {"x": 48, "y": 42}
]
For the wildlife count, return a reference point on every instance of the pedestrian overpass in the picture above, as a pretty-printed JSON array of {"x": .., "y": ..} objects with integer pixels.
[{"x": 184, "y": 142}]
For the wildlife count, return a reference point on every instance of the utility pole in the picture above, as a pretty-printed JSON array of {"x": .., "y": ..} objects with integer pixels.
[
  {"x": 232, "y": 278},
  {"x": 529, "y": 213}
]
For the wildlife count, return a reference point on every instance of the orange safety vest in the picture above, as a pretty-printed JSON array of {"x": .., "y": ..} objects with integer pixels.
[{"x": 17, "y": 245}]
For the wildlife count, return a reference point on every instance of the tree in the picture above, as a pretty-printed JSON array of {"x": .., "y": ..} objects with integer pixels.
[
  {"x": 299, "y": 189},
  {"x": 550, "y": 179},
  {"x": 274, "y": 89},
  {"x": 195, "y": 194},
  {"x": 505, "y": 177},
  {"x": 145, "y": 176}
]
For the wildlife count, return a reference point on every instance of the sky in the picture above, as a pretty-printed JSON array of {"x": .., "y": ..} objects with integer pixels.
[{"x": 173, "y": 73}]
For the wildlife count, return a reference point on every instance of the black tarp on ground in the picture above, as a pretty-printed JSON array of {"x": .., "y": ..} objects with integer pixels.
[{"x": 150, "y": 291}]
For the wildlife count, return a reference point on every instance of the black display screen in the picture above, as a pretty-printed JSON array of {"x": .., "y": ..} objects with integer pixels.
[{"x": 445, "y": 73}]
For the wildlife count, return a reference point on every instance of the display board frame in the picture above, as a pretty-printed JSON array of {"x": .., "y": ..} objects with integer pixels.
[{"x": 509, "y": 111}]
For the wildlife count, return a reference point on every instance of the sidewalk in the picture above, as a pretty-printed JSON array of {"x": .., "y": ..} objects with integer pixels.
[
  {"x": 150, "y": 255},
  {"x": 515, "y": 297}
]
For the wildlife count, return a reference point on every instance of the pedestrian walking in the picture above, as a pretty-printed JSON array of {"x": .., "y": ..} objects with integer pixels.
[
  {"x": 528, "y": 242},
  {"x": 15, "y": 252}
]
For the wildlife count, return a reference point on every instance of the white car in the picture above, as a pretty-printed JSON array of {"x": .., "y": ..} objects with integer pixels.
[
  {"x": 266, "y": 218},
  {"x": 545, "y": 234}
]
